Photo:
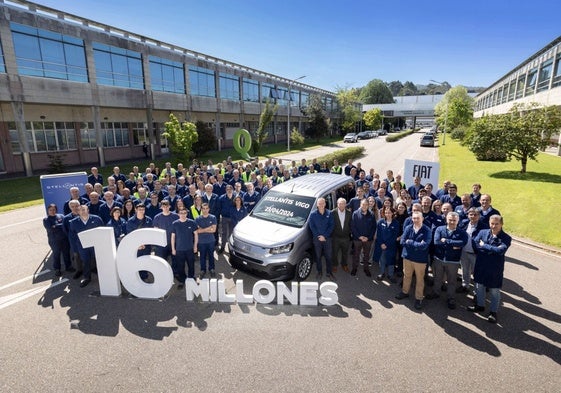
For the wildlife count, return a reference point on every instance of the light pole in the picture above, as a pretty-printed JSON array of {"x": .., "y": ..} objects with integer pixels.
[
  {"x": 288, "y": 117},
  {"x": 445, "y": 116}
]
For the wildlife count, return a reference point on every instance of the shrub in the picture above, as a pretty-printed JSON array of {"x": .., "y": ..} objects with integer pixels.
[
  {"x": 396, "y": 137},
  {"x": 206, "y": 140},
  {"x": 296, "y": 138},
  {"x": 342, "y": 155},
  {"x": 458, "y": 134},
  {"x": 56, "y": 163}
]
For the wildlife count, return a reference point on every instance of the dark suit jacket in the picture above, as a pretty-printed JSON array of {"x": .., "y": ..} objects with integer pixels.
[{"x": 338, "y": 231}]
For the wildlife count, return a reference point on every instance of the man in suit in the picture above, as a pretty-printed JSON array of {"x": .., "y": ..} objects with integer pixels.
[{"x": 341, "y": 234}]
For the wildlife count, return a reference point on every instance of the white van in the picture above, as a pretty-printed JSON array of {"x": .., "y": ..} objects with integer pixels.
[{"x": 274, "y": 241}]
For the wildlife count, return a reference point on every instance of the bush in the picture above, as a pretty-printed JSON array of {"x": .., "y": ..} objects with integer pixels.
[
  {"x": 396, "y": 137},
  {"x": 458, "y": 134},
  {"x": 341, "y": 155},
  {"x": 207, "y": 139},
  {"x": 56, "y": 163},
  {"x": 296, "y": 138}
]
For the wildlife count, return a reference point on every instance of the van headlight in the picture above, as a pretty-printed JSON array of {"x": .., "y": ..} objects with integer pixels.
[{"x": 282, "y": 249}]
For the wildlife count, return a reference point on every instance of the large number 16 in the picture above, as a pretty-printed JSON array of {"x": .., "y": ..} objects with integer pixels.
[{"x": 123, "y": 265}]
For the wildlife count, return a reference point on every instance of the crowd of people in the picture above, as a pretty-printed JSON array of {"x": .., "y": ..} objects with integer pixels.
[{"x": 408, "y": 231}]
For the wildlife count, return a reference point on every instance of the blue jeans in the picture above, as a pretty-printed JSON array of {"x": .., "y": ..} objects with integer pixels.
[
  {"x": 206, "y": 250},
  {"x": 495, "y": 296},
  {"x": 384, "y": 263}
]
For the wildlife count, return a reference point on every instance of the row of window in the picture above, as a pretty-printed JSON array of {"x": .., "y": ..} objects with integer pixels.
[
  {"x": 48, "y": 54},
  {"x": 55, "y": 136},
  {"x": 535, "y": 80}
]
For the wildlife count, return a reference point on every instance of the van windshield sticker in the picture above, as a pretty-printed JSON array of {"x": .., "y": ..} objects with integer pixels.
[{"x": 292, "y": 210}]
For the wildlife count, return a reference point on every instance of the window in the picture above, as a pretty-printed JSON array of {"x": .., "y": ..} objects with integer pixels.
[
  {"x": 294, "y": 95},
  {"x": 118, "y": 67},
  {"x": 167, "y": 75},
  {"x": 304, "y": 98},
  {"x": 250, "y": 90},
  {"x": 511, "y": 89},
  {"x": 115, "y": 134},
  {"x": 282, "y": 95},
  {"x": 531, "y": 81},
  {"x": 545, "y": 75},
  {"x": 44, "y": 136},
  {"x": 47, "y": 54},
  {"x": 2, "y": 63},
  {"x": 520, "y": 86},
  {"x": 229, "y": 86},
  {"x": 557, "y": 74},
  {"x": 267, "y": 92},
  {"x": 504, "y": 93},
  {"x": 139, "y": 134},
  {"x": 88, "y": 135},
  {"x": 202, "y": 82}
]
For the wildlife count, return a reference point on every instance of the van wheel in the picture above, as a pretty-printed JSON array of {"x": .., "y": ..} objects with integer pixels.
[{"x": 304, "y": 267}]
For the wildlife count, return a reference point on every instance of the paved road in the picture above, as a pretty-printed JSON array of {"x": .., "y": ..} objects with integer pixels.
[{"x": 63, "y": 338}]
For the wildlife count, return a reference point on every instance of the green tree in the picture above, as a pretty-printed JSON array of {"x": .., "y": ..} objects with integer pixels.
[
  {"x": 349, "y": 107},
  {"x": 486, "y": 139},
  {"x": 376, "y": 92},
  {"x": 181, "y": 137},
  {"x": 261, "y": 133},
  {"x": 373, "y": 119},
  {"x": 408, "y": 89},
  {"x": 521, "y": 133},
  {"x": 206, "y": 138},
  {"x": 317, "y": 117},
  {"x": 395, "y": 87},
  {"x": 455, "y": 109}
]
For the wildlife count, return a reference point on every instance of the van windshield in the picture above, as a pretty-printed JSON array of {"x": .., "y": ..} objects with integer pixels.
[{"x": 287, "y": 209}]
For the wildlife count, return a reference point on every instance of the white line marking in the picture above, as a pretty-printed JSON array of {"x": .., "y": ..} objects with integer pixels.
[
  {"x": 24, "y": 279},
  {"x": 19, "y": 223},
  {"x": 6, "y": 301}
]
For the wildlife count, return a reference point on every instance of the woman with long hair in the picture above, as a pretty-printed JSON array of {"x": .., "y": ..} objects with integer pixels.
[{"x": 128, "y": 210}]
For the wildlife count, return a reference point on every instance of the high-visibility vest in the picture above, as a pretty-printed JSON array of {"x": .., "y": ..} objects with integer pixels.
[
  {"x": 336, "y": 169},
  {"x": 194, "y": 212}
]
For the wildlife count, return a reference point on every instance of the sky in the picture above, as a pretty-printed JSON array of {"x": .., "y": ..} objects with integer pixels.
[{"x": 344, "y": 44}]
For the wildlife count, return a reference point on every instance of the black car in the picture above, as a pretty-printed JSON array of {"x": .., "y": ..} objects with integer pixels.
[{"x": 364, "y": 135}]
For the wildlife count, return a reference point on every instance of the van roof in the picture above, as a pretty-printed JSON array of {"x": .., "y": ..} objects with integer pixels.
[{"x": 315, "y": 184}]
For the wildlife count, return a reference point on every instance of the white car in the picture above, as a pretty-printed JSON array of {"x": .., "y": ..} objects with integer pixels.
[{"x": 351, "y": 137}]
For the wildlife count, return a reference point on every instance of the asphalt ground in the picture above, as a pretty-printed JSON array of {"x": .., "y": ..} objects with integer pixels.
[{"x": 59, "y": 337}]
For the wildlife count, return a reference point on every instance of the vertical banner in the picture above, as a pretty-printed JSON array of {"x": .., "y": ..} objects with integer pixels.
[
  {"x": 56, "y": 188},
  {"x": 428, "y": 171}
]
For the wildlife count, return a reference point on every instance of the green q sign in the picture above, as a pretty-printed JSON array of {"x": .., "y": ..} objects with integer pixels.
[{"x": 242, "y": 136}]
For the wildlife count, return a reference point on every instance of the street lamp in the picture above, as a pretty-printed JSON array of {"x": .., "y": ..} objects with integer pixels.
[
  {"x": 445, "y": 116},
  {"x": 288, "y": 119}
]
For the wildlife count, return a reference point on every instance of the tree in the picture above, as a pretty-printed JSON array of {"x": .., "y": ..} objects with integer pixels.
[
  {"x": 316, "y": 114},
  {"x": 521, "y": 133},
  {"x": 373, "y": 119},
  {"x": 395, "y": 87},
  {"x": 349, "y": 107},
  {"x": 264, "y": 120},
  {"x": 376, "y": 92},
  {"x": 455, "y": 109},
  {"x": 181, "y": 137},
  {"x": 408, "y": 89},
  {"x": 206, "y": 138},
  {"x": 486, "y": 139}
]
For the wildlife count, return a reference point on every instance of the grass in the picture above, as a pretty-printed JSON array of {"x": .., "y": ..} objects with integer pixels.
[
  {"x": 529, "y": 202},
  {"x": 17, "y": 193}
]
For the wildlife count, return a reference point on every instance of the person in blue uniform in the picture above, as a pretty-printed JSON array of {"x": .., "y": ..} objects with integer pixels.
[
  {"x": 118, "y": 224},
  {"x": 385, "y": 246},
  {"x": 238, "y": 211},
  {"x": 58, "y": 241},
  {"x": 363, "y": 229},
  {"x": 321, "y": 224},
  {"x": 84, "y": 222},
  {"x": 184, "y": 239},
  {"x": 449, "y": 241},
  {"x": 491, "y": 246},
  {"x": 415, "y": 240},
  {"x": 206, "y": 224},
  {"x": 164, "y": 220}
]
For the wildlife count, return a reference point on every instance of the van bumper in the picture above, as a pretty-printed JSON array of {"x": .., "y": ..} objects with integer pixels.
[{"x": 272, "y": 271}]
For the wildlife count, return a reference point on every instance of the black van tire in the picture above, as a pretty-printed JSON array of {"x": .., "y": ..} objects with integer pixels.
[{"x": 303, "y": 267}]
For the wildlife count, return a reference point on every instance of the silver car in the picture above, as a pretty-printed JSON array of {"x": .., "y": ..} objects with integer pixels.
[{"x": 274, "y": 240}]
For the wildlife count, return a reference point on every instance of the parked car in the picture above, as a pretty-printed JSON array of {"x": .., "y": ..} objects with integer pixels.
[
  {"x": 427, "y": 140},
  {"x": 396, "y": 129},
  {"x": 382, "y": 131},
  {"x": 373, "y": 134},
  {"x": 364, "y": 135},
  {"x": 351, "y": 137}
]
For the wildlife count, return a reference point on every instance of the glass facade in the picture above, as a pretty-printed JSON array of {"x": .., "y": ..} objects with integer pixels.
[
  {"x": 167, "y": 75},
  {"x": 267, "y": 92},
  {"x": 202, "y": 81},
  {"x": 2, "y": 63},
  {"x": 115, "y": 134},
  {"x": 557, "y": 74},
  {"x": 118, "y": 67},
  {"x": 48, "y": 54},
  {"x": 229, "y": 86},
  {"x": 88, "y": 135},
  {"x": 139, "y": 134},
  {"x": 250, "y": 90},
  {"x": 44, "y": 136}
]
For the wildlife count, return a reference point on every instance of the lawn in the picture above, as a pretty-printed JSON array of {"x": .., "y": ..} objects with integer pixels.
[
  {"x": 528, "y": 201},
  {"x": 22, "y": 192}
]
